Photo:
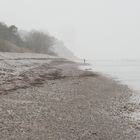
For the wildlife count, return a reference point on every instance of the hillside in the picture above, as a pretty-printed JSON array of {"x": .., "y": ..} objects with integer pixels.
[
  {"x": 61, "y": 50},
  {"x": 13, "y": 39}
]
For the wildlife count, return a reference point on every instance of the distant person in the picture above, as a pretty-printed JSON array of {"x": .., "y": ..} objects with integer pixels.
[{"x": 84, "y": 61}]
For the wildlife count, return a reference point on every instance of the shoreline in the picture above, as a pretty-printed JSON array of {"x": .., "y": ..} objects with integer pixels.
[
  {"x": 131, "y": 105},
  {"x": 63, "y": 102},
  {"x": 135, "y": 97}
]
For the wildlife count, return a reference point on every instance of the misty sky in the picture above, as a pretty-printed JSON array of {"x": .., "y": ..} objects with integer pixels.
[{"x": 95, "y": 29}]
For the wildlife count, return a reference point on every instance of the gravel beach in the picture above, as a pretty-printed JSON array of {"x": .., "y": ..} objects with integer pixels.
[{"x": 57, "y": 101}]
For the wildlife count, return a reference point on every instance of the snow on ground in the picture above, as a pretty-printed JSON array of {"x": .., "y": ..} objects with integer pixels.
[
  {"x": 13, "y": 64},
  {"x": 18, "y": 62},
  {"x": 8, "y": 55}
]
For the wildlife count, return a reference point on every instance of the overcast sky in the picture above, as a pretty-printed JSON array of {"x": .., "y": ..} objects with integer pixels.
[{"x": 95, "y": 29}]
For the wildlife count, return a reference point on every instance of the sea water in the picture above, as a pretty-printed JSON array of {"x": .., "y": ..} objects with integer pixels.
[{"x": 125, "y": 71}]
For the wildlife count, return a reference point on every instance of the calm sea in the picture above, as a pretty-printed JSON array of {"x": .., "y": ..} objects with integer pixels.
[{"x": 126, "y": 71}]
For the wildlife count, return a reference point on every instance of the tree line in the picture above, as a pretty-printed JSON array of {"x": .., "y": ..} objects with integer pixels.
[{"x": 12, "y": 40}]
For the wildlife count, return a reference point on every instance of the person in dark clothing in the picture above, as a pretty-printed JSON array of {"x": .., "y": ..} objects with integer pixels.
[{"x": 84, "y": 61}]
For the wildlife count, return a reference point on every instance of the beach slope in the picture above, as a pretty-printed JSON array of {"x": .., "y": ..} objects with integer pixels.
[{"x": 51, "y": 99}]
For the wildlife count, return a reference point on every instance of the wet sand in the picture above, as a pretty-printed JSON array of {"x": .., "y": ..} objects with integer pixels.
[{"x": 57, "y": 101}]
